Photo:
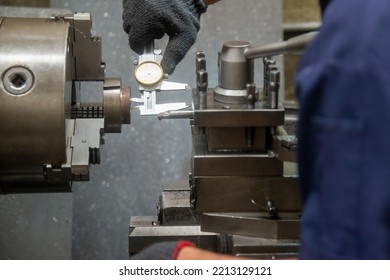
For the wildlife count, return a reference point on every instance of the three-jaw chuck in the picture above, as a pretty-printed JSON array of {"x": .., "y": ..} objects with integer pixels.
[{"x": 48, "y": 138}]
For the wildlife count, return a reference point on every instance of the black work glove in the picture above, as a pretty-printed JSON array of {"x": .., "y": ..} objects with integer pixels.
[{"x": 145, "y": 20}]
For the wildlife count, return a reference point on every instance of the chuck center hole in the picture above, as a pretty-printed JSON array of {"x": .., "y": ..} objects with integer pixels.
[{"x": 18, "y": 80}]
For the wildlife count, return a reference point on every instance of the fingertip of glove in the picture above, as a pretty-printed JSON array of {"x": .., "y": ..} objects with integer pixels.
[{"x": 168, "y": 67}]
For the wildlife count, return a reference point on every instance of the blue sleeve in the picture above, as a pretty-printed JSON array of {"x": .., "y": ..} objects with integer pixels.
[{"x": 343, "y": 85}]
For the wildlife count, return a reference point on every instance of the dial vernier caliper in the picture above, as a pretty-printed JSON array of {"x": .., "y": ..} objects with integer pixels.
[{"x": 151, "y": 79}]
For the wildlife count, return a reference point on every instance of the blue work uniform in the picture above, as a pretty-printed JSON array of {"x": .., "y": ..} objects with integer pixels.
[{"x": 343, "y": 86}]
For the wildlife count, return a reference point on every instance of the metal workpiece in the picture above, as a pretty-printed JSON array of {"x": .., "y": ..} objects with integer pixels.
[
  {"x": 235, "y": 72},
  {"x": 48, "y": 137},
  {"x": 291, "y": 46},
  {"x": 116, "y": 105}
]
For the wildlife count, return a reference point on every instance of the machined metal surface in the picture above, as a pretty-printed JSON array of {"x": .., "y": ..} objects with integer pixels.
[
  {"x": 206, "y": 163},
  {"x": 175, "y": 205},
  {"x": 201, "y": 80},
  {"x": 146, "y": 230},
  {"x": 18, "y": 80},
  {"x": 263, "y": 248},
  {"x": 274, "y": 83},
  {"x": 33, "y": 121},
  {"x": 246, "y": 194},
  {"x": 176, "y": 115},
  {"x": 85, "y": 48},
  {"x": 48, "y": 138},
  {"x": 116, "y": 102},
  {"x": 291, "y": 46},
  {"x": 286, "y": 147},
  {"x": 260, "y": 224},
  {"x": 86, "y": 147},
  {"x": 231, "y": 115},
  {"x": 238, "y": 139},
  {"x": 291, "y": 30},
  {"x": 235, "y": 72}
]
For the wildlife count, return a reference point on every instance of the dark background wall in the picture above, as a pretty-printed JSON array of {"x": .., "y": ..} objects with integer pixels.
[{"x": 92, "y": 223}]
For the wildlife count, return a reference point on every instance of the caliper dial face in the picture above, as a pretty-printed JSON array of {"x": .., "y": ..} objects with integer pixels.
[{"x": 149, "y": 73}]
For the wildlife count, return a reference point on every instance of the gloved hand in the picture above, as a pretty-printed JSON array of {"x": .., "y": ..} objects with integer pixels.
[
  {"x": 178, "y": 250},
  {"x": 167, "y": 250},
  {"x": 145, "y": 20}
]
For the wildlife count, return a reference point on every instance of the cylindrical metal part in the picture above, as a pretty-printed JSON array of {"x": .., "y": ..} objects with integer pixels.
[
  {"x": 201, "y": 80},
  {"x": 116, "y": 105},
  {"x": 200, "y": 61},
  {"x": 176, "y": 115},
  {"x": 234, "y": 67},
  {"x": 274, "y": 83},
  {"x": 35, "y": 95},
  {"x": 251, "y": 95},
  {"x": 202, "y": 83},
  {"x": 126, "y": 105},
  {"x": 235, "y": 72},
  {"x": 268, "y": 62},
  {"x": 293, "y": 45},
  {"x": 149, "y": 47}
]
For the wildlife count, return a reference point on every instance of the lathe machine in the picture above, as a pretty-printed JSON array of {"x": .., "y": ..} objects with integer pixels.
[{"x": 241, "y": 197}]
